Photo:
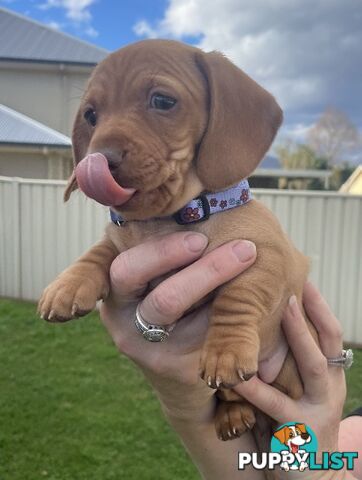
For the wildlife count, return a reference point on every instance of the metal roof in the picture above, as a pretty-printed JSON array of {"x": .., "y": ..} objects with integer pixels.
[
  {"x": 22, "y": 38},
  {"x": 18, "y": 129}
]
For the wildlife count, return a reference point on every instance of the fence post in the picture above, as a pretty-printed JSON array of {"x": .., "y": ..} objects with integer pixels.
[{"x": 16, "y": 222}]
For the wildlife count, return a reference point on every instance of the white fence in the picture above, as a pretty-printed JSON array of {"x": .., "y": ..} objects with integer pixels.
[{"x": 40, "y": 236}]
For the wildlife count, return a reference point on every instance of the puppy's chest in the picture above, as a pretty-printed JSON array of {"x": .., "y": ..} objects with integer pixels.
[
  {"x": 217, "y": 229},
  {"x": 132, "y": 234},
  {"x": 251, "y": 221}
]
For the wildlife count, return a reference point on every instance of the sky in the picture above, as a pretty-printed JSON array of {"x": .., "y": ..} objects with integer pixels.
[{"x": 308, "y": 53}]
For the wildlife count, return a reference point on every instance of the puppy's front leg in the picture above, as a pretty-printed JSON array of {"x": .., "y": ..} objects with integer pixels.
[
  {"x": 75, "y": 291},
  {"x": 241, "y": 314},
  {"x": 232, "y": 344}
]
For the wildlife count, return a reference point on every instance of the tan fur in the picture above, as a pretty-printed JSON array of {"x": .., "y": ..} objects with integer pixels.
[{"x": 217, "y": 133}]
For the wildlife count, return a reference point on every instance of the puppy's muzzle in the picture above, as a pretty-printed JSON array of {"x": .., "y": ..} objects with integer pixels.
[{"x": 114, "y": 158}]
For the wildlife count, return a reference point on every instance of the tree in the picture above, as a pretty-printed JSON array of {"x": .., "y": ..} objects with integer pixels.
[
  {"x": 333, "y": 136},
  {"x": 300, "y": 157},
  {"x": 340, "y": 173}
]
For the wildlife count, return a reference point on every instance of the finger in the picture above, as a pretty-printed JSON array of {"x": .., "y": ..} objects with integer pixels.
[
  {"x": 312, "y": 364},
  {"x": 268, "y": 399},
  {"x": 269, "y": 368},
  {"x": 328, "y": 327},
  {"x": 169, "y": 300},
  {"x": 133, "y": 269}
]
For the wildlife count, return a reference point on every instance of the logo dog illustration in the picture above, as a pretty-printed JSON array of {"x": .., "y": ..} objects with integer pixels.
[{"x": 293, "y": 437}]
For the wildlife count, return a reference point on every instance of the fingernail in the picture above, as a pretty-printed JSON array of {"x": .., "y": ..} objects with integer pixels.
[
  {"x": 195, "y": 242},
  {"x": 292, "y": 300},
  {"x": 293, "y": 305},
  {"x": 244, "y": 250}
]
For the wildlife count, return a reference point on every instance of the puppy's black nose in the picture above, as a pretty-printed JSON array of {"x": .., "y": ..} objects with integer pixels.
[{"x": 305, "y": 436}]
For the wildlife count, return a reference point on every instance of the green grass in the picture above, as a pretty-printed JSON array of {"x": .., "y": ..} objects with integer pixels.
[
  {"x": 354, "y": 383},
  {"x": 72, "y": 408}
]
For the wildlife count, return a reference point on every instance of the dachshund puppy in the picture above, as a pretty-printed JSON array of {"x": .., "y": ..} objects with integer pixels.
[{"x": 162, "y": 123}]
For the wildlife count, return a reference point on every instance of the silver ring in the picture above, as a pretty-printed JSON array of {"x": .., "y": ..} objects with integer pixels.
[
  {"x": 150, "y": 332},
  {"x": 345, "y": 360}
]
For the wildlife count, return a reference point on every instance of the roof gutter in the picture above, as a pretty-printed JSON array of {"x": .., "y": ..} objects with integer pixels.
[
  {"x": 20, "y": 64},
  {"x": 34, "y": 148},
  {"x": 47, "y": 62}
]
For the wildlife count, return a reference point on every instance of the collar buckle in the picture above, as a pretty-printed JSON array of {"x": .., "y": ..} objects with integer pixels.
[
  {"x": 119, "y": 222},
  {"x": 117, "y": 219},
  {"x": 206, "y": 212}
]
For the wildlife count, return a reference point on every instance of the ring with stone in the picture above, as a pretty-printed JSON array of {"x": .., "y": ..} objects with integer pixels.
[
  {"x": 345, "y": 360},
  {"x": 150, "y": 331}
]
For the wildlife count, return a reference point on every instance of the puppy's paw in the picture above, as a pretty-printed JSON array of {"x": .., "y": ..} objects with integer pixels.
[
  {"x": 70, "y": 296},
  {"x": 227, "y": 365},
  {"x": 232, "y": 419}
]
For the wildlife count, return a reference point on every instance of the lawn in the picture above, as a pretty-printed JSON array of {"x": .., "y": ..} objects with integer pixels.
[{"x": 71, "y": 408}]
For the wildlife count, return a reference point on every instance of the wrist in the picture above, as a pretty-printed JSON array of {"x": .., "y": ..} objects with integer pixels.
[
  {"x": 183, "y": 401},
  {"x": 190, "y": 413},
  {"x": 190, "y": 404}
]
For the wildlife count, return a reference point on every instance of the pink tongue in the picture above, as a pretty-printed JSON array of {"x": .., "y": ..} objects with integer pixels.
[
  {"x": 294, "y": 448},
  {"x": 96, "y": 181}
]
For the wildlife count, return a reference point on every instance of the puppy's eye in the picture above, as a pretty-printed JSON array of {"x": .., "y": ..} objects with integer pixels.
[
  {"x": 162, "y": 102},
  {"x": 91, "y": 117}
]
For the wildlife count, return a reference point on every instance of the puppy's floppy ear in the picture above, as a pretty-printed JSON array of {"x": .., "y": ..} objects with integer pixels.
[
  {"x": 243, "y": 121},
  {"x": 71, "y": 186},
  {"x": 301, "y": 427},
  {"x": 80, "y": 140},
  {"x": 282, "y": 434}
]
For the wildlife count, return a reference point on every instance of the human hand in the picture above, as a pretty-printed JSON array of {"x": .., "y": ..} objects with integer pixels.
[
  {"x": 172, "y": 364},
  {"x": 324, "y": 386}
]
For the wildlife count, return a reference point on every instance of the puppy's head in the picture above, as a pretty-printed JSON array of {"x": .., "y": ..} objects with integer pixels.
[
  {"x": 171, "y": 121},
  {"x": 293, "y": 436}
]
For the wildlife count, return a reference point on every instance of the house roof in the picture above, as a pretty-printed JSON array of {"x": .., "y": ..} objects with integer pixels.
[
  {"x": 18, "y": 129},
  {"x": 353, "y": 184},
  {"x": 24, "y": 39}
]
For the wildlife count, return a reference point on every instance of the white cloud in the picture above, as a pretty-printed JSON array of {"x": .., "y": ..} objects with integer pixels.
[
  {"x": 143, "y": 29},
  {"x": 307, "y": 53},
  {"x": 54, "y": 25},
  {"x": 76, "y": 10},
  {"x": 91, "y": 32},
  {"x": 294, "y": 131}
]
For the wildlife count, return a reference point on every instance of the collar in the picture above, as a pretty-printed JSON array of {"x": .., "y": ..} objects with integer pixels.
[{"x": 200, "y": 208}]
